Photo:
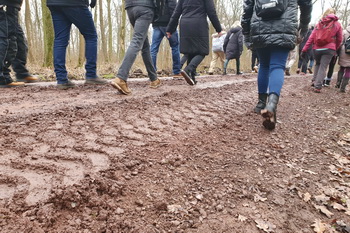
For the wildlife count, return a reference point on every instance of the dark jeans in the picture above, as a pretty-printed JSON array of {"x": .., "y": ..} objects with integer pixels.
[
  {"x": 271, "y": 72},
  {"x": 158, "y": 34},
  {"x": 238, "y": 63},
  {"x": 63, "y": 17},
  {"x": 331, "y": 68},
  {"x": 140, "y": 18},
  {"x": 322, "y": 58},
  {"x": 255, "y": 59},
  {"x": 8, "y": 42}
]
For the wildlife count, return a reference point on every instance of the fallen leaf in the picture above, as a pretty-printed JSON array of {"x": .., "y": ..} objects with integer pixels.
[
  {"x": 241, "y": 218},
  {"x": 319, "y": 227},
  {"x": 322, "y": 198},
  {"x": 324, "y": 210},
  {"x": 259, "y": 198},
  {"x": 307, "y": 197},
  {"x": 265, "y": 226}
]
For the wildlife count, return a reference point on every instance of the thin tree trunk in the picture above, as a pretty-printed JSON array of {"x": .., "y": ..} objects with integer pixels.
[
  {"x": 29, "y": 30},
  {"x": 110, "y": 30},
  {"x": 103, "y": 33},
  {"x": 122, "y": 33},
  {"x": 81, "y": 58},
  {"x": 48, "y": 35}
]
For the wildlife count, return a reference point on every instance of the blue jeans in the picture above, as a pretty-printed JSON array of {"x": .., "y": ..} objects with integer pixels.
[
  {"x": 271, "y": 72},
  {"x": 140, "y": 18},
  {"x": 158, "y": 34},
  {"x": 63, "y": 17}
]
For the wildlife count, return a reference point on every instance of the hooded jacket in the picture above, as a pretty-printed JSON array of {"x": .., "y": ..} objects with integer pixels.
[
  {"x": 344, "y": 58},
  {"x": 67, "y": 3},
  {"x": 278, "y": 32},
  {"x": 13, "y": 3},
  {"x": 233, "y": 44},
  {"x": 336, "y": 34}
]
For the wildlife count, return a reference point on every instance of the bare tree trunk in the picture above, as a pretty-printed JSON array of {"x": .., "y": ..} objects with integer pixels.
[
  {"x": 122, "y": 32},
  {"x": 110, "y": 30},
  {"x": 103, "y": 33},
  {"x": 48, "y": 35},
  {"x": 81, "y": 58},
  {"x": 29, "y": 30}
]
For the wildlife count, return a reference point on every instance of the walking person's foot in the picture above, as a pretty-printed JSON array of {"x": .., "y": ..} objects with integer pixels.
[
  {"x": 121, "y": 86},
  {"x": 187, "y": 77}
]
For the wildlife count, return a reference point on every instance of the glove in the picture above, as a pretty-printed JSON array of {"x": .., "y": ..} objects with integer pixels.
[{"x": 93, "y": 3}]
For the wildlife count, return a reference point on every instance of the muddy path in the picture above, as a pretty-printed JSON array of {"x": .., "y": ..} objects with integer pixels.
[{"x": 173, "y": 159}]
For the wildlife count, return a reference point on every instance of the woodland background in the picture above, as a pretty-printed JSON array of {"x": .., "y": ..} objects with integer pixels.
[{"x": 115, "y": 32}]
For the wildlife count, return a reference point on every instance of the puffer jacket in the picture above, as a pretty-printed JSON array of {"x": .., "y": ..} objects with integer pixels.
[
  {"x": 278, "y": 32},
  {"x": 233, "y": 44},
  {"x": 336, "y": 34},
  {"x": 146, "y": 3},
  {"x": 13, "y": 3},
  {"x": 67, "y": 3},
  {"x": 344, "y": 58}
]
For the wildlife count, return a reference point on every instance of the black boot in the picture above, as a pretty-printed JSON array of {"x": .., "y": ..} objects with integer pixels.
[
  {"x": 262, "y": 103},
  {"x": 269, "y": 113},
  {"x": 224, "y": 72}
]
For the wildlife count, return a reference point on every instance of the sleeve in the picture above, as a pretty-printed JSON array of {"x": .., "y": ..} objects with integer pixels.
[
  {"x": 171, "y": 5},
  {"x": 248, "y": 9},
  {"x": 339, "y": 36},
  {"x": 227, "y": 38},
  {"x": 211, "y": 11},
  {"x": 310, "y": 41},
  {"x": 240, "y": 42},
  {"x": 305, "y": 15},
  {"x": 174, "y": 20}
]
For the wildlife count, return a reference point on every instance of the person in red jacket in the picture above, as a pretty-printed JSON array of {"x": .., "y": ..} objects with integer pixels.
[{"x": 324, "y": 51}]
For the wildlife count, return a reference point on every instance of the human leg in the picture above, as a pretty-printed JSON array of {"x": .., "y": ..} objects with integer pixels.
[
  {"x": 214, "y": 59},
  {"x": 147, "y": 60},
  {"x": 225, "y": 66},
  {"x": 157, "y": 38},
  {"x": 345, "y": 79},
  {"x": 175, "y": 51},
  {"x": 323, "y": 58},
  {"x": 238, "y": 64},
  {"x": 340, "y": 76}
]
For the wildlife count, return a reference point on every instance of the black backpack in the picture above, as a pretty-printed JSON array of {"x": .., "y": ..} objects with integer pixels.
[
  {"x": 347, "y": 45},
  {"x": 270, "y": 9}
]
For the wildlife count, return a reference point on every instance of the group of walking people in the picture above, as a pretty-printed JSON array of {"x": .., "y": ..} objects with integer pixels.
[{"x": 270, "y": 33}]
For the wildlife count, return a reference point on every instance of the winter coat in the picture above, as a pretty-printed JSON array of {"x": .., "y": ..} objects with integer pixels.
[
  {"x": 194, "y": 29},
  {"x": 344, "y": 58},
  {"x": 67, "y": 3},
  {"x": 13, "y": 3},
  {"x": 164, "y": 18},
  {"x": 233, "y": 44},
  {"x": 303, "y": 42},
  {"x": 336, "y": 34},
  {"x": 146, "y": 3},
  {"x": 278, "y": 32}
]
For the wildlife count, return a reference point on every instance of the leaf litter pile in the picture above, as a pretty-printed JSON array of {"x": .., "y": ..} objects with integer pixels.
[{"x": 174, "y": 159}]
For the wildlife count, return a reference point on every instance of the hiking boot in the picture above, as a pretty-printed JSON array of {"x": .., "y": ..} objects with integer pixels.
[
  {"x": 121, "y": 86},
  {"x": 269, "y": 113},
  {"x": 256, "y": 69},
  {"x": 262, "y": 103},
  {"x": 310, "y": 70},
  {"x": 326, "y": 83},
  {"x": 187, "y": 77},
  {"x": 298, "y": 71},
  {"x": 287, "y": 72},
  {"x": 177, "y": 76},
  {"x": 12, "y": 84},
  {"x": 210, "y": 73},
  {"x": 342, "y": 90},
  {"x": 239, "y": 73},
  {"x": 155, "y": 83},
  {"x": 96, "y": 81},
  {"x": 28, "y": 79},
  {"x": 65, "y": 86},
  {"x": 317, "y": 90}
]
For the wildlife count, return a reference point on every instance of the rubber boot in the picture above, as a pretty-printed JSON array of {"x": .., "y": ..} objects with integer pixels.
[
  {"x": 344, "y": 83},
  {"x": 269, "y": 113},
  {"x": 261, "y": 104}
]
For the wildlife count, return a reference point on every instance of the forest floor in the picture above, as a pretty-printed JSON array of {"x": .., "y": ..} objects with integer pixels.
[{"x": 174, "y": 159}]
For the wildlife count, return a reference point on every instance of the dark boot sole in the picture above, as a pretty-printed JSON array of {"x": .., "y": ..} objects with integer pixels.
[
  {"x": 270, "y": 121},
  {"x": 187, "y": 78}
]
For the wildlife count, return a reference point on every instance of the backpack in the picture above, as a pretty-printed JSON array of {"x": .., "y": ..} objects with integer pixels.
[
  {"x": 270, "y": 9},
  {"x": 347, "y": 45},
  {"x": 324, "y": 33}
]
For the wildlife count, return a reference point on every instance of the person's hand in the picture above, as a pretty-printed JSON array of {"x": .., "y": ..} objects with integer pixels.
[
  {"x": 220, "y": 33},
  {"x": 168, "y": 35},
  {"x": 303, "y": 55},
  {"x": 93, "y": 3}
]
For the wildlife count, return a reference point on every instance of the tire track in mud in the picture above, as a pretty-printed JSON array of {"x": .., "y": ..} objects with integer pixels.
[{"x": 58, "y": 149}]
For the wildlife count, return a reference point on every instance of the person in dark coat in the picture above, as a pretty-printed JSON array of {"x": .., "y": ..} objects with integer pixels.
[
  {"x": 65, "y": 13},
  {"x": 194, "y": 32},
  {"x": 273, "y": 37},
  {"x": 303, "y": 62},
  {"x": 233, "y": 46},
  {"x": 159, "y": 32},
  {"x": 13, "y": 46}
]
